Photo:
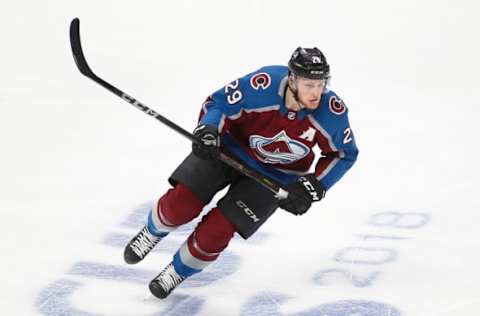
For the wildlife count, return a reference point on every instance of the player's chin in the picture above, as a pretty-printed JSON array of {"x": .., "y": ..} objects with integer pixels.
[{"x": 312, "y": 105}]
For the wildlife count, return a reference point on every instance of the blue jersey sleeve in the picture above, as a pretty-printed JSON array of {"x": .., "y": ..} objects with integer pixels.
[
  {"x": 254, "y": 90},
  {"x": 337, "y": 141},
  {"x": 226, "y": 101}
]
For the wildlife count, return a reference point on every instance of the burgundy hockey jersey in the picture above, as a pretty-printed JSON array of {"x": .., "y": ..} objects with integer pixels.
[{"x": 257, "y": 127}]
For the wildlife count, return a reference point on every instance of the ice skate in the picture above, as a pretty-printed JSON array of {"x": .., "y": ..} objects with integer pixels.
[
  {"x": 165, "y": 282},
  {"x": 140, "y": 246}
]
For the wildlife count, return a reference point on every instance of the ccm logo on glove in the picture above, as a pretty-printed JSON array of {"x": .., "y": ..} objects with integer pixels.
[
  {"x": 301, "y": 194},
  {"x": 311, "y": 189}
]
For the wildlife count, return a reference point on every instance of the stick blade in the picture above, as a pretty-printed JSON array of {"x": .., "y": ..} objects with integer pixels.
[{"x": 77, "y": 51}]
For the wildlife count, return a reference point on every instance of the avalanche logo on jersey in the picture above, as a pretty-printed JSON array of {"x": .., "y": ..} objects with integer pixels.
[
  {"x": 336, "y": 105},
  {"x": 261, "y": 80},
  {"x": 278, "y": 149}
]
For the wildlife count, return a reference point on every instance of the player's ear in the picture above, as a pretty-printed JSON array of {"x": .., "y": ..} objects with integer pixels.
[{"x": 291, "y": 82}]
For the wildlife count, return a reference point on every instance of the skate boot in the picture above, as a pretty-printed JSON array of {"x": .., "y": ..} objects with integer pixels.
[
  {"x": 140, "y": 246},
  {"x": 165, "y": 282}
]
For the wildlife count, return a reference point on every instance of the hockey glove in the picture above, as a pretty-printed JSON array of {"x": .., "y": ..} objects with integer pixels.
[
  {"x": 301, "y": 194},
  {"x": 208, "y": 145}
]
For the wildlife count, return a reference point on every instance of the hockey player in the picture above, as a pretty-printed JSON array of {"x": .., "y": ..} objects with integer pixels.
[{"x": 269, "y": 120}]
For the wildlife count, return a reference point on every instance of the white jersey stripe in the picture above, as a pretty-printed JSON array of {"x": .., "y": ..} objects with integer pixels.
[
  {"x": 327, "y": 136},
  {"x": 265, "y": 108},
  {"x": 282, "y": 86},
  {"x": 327, "y": 170}
]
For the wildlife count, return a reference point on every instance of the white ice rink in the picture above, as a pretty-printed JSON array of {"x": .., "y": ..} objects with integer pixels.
[{"x": 399, "y": 235}]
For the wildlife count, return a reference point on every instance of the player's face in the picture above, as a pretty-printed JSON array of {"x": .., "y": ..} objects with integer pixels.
[{"x": 310, "y": 91}]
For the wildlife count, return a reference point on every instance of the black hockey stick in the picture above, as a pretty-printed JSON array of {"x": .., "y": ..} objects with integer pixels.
[{"x": 85, "y": 70}]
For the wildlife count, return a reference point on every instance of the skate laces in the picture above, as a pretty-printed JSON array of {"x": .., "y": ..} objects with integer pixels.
[
  {"x": 169, "y": 278},
  {"x": 144, "y": 242}
]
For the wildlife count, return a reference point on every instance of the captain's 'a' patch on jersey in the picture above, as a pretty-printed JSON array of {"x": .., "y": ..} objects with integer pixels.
[{"x": 309, "y": 134}]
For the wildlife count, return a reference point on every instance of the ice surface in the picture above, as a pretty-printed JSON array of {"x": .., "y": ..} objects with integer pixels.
[{"x": 397, "y": 236}]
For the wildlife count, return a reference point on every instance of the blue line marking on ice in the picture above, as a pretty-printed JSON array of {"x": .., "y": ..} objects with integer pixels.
[
  {"x": 53, "y": 299},
  {"x": 269, "y": 304},
  {"x": 182, "y": 305},
  {"x": 226, "y": 265}
]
